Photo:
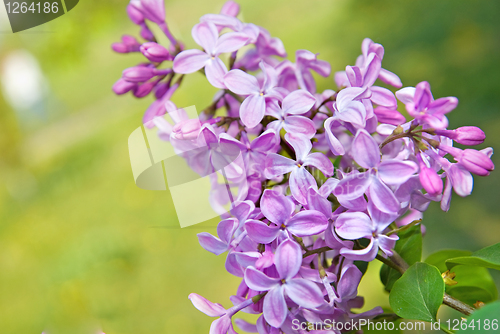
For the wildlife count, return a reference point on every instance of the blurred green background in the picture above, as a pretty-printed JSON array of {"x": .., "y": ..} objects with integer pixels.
[{"x": 83, "y": 250}]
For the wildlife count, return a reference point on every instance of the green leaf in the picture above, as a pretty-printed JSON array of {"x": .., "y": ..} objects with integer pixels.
[
  {"x": 490, "y": 314},
  {"x": 488, "y": 257},
  {"x": 473, "y": 283},
  {"x": 362, "y": 266},
  {"x": 409, "y": 246},
  {"x": 439, "y": 258},
  {"x": 418, "y": 293}
]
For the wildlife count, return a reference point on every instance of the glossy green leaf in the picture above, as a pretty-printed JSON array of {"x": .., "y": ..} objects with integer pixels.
[
  {"x": 484, "y": 320},
  {"x": 438, "y": 259},
  {"x": 418, "y": 294},
  {"x": 409, "y": 246},
  {"x": 473, "y": 283},
  {"x": 488, "y": 257}
]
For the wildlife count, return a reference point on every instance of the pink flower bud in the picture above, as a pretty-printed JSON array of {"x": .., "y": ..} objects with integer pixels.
[
  {"x": 430, "y": 180},
  {"x": 144, "y": 89},
  {"x": 134, "y": 11},
  {"x": 187, "y": 130},
  {"x": 469, "y": 135},
  {"x": 146, "y": 33},
  {"x": 138, "y": 73},
  {"x": 155, "y": 52},
  {"x": 476, "y": 162},
  {"x": 154, "y": 10},
  {"x": 230, "y": 8},
  {"x": 465, "y": 135},
  {"x": 389, "y": 116},
  {"x": 123, "y": 86},
  {"x": 120, "y": 48}
]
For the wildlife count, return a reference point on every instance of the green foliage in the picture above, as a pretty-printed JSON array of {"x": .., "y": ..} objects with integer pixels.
[
  {"x": 409, "y": 246},
  {"x": 418, "y": 293},
  {"x": 484, "y": 320},
  {"x": 473, "y": 283},
  {"x": 488, "y": 257}
]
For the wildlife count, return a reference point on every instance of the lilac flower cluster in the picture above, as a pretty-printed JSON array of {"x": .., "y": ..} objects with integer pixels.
[{"x": 296, "y": 228}]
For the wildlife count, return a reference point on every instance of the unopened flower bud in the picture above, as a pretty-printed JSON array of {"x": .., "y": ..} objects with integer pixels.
[
  {"x": 146, "y": 33},
  {"x": 476, "y": 162},
  {"x": 187, "y": 130},
  {"x": 144, "y": 89},
  {"x": 430, "y": 180},
  {"x": 465, "y": 135},
  {"x": 134, "y": 11},
  {"x": 138, "y": 73},
  {"x": 155, "y": 52},
  {"x": 230, "y": 8},
  {"x": 154, "y": 10},
  {"x": 123, "y": 86}
]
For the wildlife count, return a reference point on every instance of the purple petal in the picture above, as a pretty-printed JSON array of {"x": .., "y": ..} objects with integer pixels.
[
  {"x": 270, "y": 76},
  {"x": 276, "y": 207},
  {"x": 211, "y": 243},
  {"x": 301, "y": 145},
  {"x": 335, "y": 145},
  {"x": 389, "y": 116},
  {"x": 367, "y": 254},
  {"x": 232, "y": 265},
  {"x": 406, "y": 94},
  {"x": 207, "y": 136},
  {"x": 322, "y": 67},
  {"x": 305, "y": 293},
  {"x": 390, "y": 78},
  {"x": 461, "y": 179},
  {"x": 300, "y": 124},
  {"x": 231, "y": 42},
  {"x": 357, "y": 204},
  {"x": 352, "y": 186},
  {"x": 380, "y": 219},
  {"x": 315, "y": 201},
  {"x": 307, "y": 223},
  {"x": 321, "y": 162},
  {"x": 215, "y": 69},
  {"x": 221, "y": 325},
  {"x": 245, "y": 326},
  {"x": 190, "y": 61},
  {"x": 278, "y": 165},
  {"x": 206, "y": 306},
  {"x": 347, "y": 286},
  {"x": 354, "y": 225},
  {"x": 383, "y": 197},
  {"x": 383, "y": 97},
  {"x": 265, "y": 142},
  {"x": 298, "y": 102},
  {"x": 252, "y": 110},
  {"x": 396, "y": 172},
  {"x": 243, "y": 210},
  {"x": 355, "y": 113},
  {"x": 288, "y": 259},
  {"x": 347, "y": 95},
  {"x": 258, "y": 281},
  {"x": 328, "y": 187},
  {"x": 240, "y": 82},
  {"x": 226, "y": 228},
  {"x": 260, "y": 232},
  {"x": 372, "y": 69},
  {"x": 423, "y": 96},
  {"x": 443, "y": 105},
  {"x": 365, "y": 150},
  {"x": 300, "y": 181},
  {"x": 205, "y": 34},
  {"x": 274, "y": 308},
  {"x": 387, "y": 243},
  {"x": 354, "y": 75}
]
